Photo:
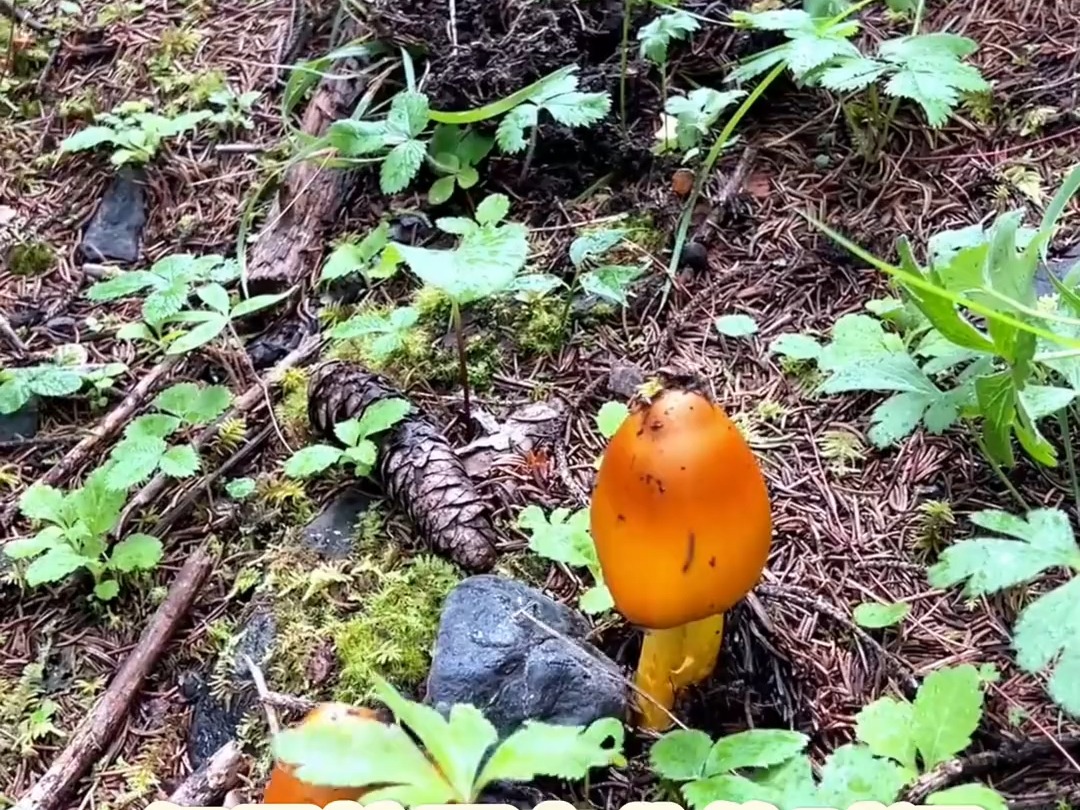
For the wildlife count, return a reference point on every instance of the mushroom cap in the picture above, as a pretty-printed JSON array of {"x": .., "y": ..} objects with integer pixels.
[{"x": 680, "y": 512}]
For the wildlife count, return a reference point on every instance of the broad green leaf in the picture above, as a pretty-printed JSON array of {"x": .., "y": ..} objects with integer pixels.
[
  {"x": 58, "y": 563},
  {"x": 492, "y": 209},
  {"x": 1048, "y": 630},
  {"x": 42, "y": 502},
  {"x": 728, "y": 787},
  {"x": 796, "y": 347},
  {"x": 240, "y": 488},
  {"x": 596, "y": 599},
  {"x": 996, "y": 397},
  {"x": 876, "y": 615},
  {"x": 1043, "y": 400},
  {"x": 383, "y": 415},
  {"x": 181, "y": 461},
  {"x": 166, "y": 301},
  {"x": 897, "y": 417},
  {"x": 400, "y": 166},
  {"x": 24, "y": 547},
  {"x": 152, "y": 426},
  {"x": 14, "y": 393},
  {"x": 969, "y": 795},
  {"x": 562, "y": 537},
  {"x": 309, "y": 461},
  {"x": 363, "y": 455},
  {"x": 214, "y": 296},
  {"x": 198, "y": 336},
  {"x": 790, "y": 784},
  {"x": 990, "y": 564},
  {"x": 408, "y": 116},
  {"x": 852, "y": 774},
  {"x": 886, "y": 726},
  {"x": 863, "y": 357},
  {"x": 853, "y": 74},
  {"x": 680, "y": 755},
  {"x": 97, "y": 505},
  {"x": 120, "y": 286},
  {"x": 610, "y": 417},
  {"x": 87, "y": 139},
  {"x": 442, "y": 190},
  {"x": 594, "y": 244},
  {"x": 136, "y": 552},
  {"x": 348, "y": 432},
  {"x": 565, "y": 752},
  {"x": 947, "y": 710},
  {"x": 107, "y": 590},
  {"x": 754, "y": 748},
  {"x": 611, "y": 281},
  {"x": 257, "y": 303},
  {"x": 134, "y": 460},
  {"x": 51, "y": 381},
  {"x": 657, "y": 36},
  {"x": 736, "y": 325}
]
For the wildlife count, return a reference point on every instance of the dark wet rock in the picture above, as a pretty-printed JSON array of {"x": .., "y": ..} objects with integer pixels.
[
  {"x": 115, "y": 231},
  {"x": 694, "y": 256},
  {"x": 283, "y": 337},
  {"x": 410, "y": 228},
  {"x": 1060, "y": 267},
  {"x": 21, "y": 424},
  {"x": 624, "y": 379},
  {"x": 214, "y": 721},
  {"x": 488, "y": 653},
  {"x": 330, "y": 534}
]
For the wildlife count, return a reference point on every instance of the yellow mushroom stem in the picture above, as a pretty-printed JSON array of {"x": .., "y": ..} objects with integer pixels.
[{"x": 670, "y": 661}]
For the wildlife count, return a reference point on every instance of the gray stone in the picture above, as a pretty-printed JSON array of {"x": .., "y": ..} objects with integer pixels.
[
  {"x": 214, "y": 721},
  {"x": 489, "y": 654},
  {"x": 115, "y": 231},
  {"x": 624, "y": 379},
  {"x": 330, "y": 534}
]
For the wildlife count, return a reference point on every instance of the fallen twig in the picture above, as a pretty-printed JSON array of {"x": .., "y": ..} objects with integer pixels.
[
  {"x": 95, "y": 733},
  {"x": 25, "y": 17},
  {"x": 9, "y": 334},
  {"x": 288, "y": 703},
  {"x": 113, "y": 421},
  {"x": 206, "y": 786},
  {"x": 254, "y": 395}
]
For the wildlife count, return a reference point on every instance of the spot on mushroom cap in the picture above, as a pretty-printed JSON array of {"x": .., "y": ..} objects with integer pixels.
[{"x": 680, "y": 512}]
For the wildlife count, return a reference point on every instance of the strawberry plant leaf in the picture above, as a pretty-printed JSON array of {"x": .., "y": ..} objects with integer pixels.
[
  {"x": 611, "y": 281},
  {"x": 24, "y": 547},
  {"x": 657, "y": 36},
  {"x": 728, "y": 787},
  {"x": 946, "y": 712},
  {"x": 565, "y": 752},
  {"x": 363, "y": 455},
  {"x": 594, "y": 244},
  {"x": 510, "y": 134},
  {"x": 123, "y": 285},
  {"x": 969, "y": 795},
  {"x": 1048, "y": 630},
  {"x": 96, "y": 504},
  {"x": 107, "y": 590},
  {"x": 214, "y": 296},
  {"x": 736, "y": 325},
  {"x": 886, "y": 726},
  {"x": 442, "y": 189},
  {"x": 853, "y": 774},
  {"x": 134, "y": 460},
  {"x": 492, "y": 209},
  {"x": 152, "y": 425},
  {"x": 680, "y": 755},
  {"x": 929, "y": 71},
  {"x": 610, "y": 417},
  {"x": 754, "y": 748},
  {"x": 596, "y": 599},
  {"x": 42, "y": 502},
  {"x": 181, "y": 461},
  {"x": 309, "y": 461},
  {"x": 58, "y": 563},
  {"x": 876, "y": 615},
  {"x": 382, "y": 415},
  {"x": 409, "y": 114},
  {"x": 136, "y": 552},
  {"x": 1044, "y": 540},
  {"x": 796, "y": 347},
  {"x": 50, "y": 381},
  {"x": 400, "y": 166},
  {"x": 348, "y": 432}
]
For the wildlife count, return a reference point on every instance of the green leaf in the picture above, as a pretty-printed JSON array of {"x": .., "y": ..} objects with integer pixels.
[
  {"x": 996, "y": 397},
  {"x": 24, "y": 547},
  {"x": 409, "y": 114},
  {"x": 657, "y": 36},
  {"x": 400, "y": 166},
  {"x": 152, "y": 426},
  {"x": 382, "y": 334},
  {"x": 133, "y": 461},
  {"x": 611, "y": 281},
  {"x": 363, "y": 455},
  {"x": 876, "y": 615},
  {"x": 14, "y": 393},
  {"x": 562, "y": 538},
  {"x": 856, "y": 73},
  {"x": 1044, "y": 540},
  {"x": 348, "y": 258},
  {"x": 96, "y": 504},
  {"x": 700, "y": 793},
  {"x": 796, "y": 347},
  {"x": 87, "y": 139},
  {"x": 853, "y": 774},
  {"x": 136, "y": 552},
  {"x": 206, "y": 331},
  {"x": 442, "y": 189},
  {"x": 348, "y": 432},
  {"x": 240, "y": 488},
  {"x": 309, "y": 461},
  {"x": 886, "y": 727},
  {"x": 383, "y": 415},
  {"x": 969, "y": 795},
  {"x": 50, "y": 381},
  {"x": 510, "y": 134},
  {"x": 610, "y": 417},
  {"x": 107, "y": 590},
  {"x": 493, "y": 209},
  {"x": 1049, "y": 629},
  {"x": 214, "y": 296},
  {"x": 194, "y": 404},
  {"x": 120, "y": 286},
  {"x": 928, "y": 71},
  {"x": 897, "y": 417},
  {"x": 1043, "y": 400},
  {"x": 947, "y": 710},
  {"x": 680, "y": 755},
  {"x": 58, "y": 563},
  {"x": 257, "y": 303},
  {"x": 863, "y": 357},
  {"x": 596, "y": 599},
  {"x": 165, "y": 301},
  {"x": 565, "y": 752},
  {"x": 736, "y": 325},
  {"x": 181, "y": 461},
  {"x": 42, "y": 502},
  {"x": 754, "y": 748}
]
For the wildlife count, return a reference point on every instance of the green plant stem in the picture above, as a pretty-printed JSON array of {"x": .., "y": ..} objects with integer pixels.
[
  {"x": 894, "y": 105},
  {"x": 463, "y": 366},
  {"x": 706, "y": 169},
  {"x": 624, "y": 58},
  {"x": 1000, "y": 473},
  {"x": 663, "y": 85},
  {"x": 1070, "y": 459},
  {"x": 529, "y": 152},
  {"x": 500, "y": 107},
  {"x": 570, "y": 296}
]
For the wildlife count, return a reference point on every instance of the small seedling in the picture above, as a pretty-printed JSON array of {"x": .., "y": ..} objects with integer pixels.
[
  {"x": 356, "y": 435},
  {"x": 565, "y": 538},
  {"x": 383, "y": 334},
  {"x": 455, "y": 153},
  {"x": 75, "y": 536},
  {"x": 689, "y": 119},
  {"x": 452, "y": 759},
  {"x": 876, "y": 615},
  {"x": 135, "y": 133},
  {"x": 231, "y": 110},
  {"x": 373, "y": 257},
  {"x": 240, "y": 488},
  {"x": 56, "y": 379}
]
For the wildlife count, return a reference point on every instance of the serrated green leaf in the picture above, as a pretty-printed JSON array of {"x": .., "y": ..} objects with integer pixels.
[
  {"x": 657, "y": 36},
  {"x": 240, "y": 488},
  {"x": 561, "y": 537},
  {"x": 853, "y": 74},
  {"x": 181, "y": 461},
  {"x": 348, "y": 432},
  {"x": 897, "y": 417},
  {"x": 596, "y": 599},
  {"x": 152, "y": 426},
  {"x": 736, "y": 325},
  {"x": 136, "y": 552},
  {"x": 309, "y": 461},
  {"x": 400, "y": 166},
  {"x": 680, "y": 755},
  {"x": 97, "y": 505},
  {"x": 492, "y": 209},
  {"x": 594, "y": 244},
  {"x": 947, "y": 710},
  {"x": 796, "y": 347},
  {"x": 1049, "y": 629},
  {"x": 133, "y": 461},
  {"x": 700, "y": 793},
  {"x": 120, "y": 286},
  {"x": 970, "y": 795},
  {"x": 363, "y": 455},
  {"x": 610, "y": 417},
  {"x": 165, "y": 301},
  {"x": 611, "y": 281},
  {"x": 107, "y": 590},
  {"x": 42, "y": 502},
  {"x": 87, "y": 139},
  {"x": 58, "y": 563},
  {"x": 989, "y": 564},
  {"x": 14, "y": 394},
  {"x": 754, "y": 748},
  {"x": 876, "y": 615},
  {"x": 886, "y": 726},
  {"x": 408, "y": 116},
  {"x": 852, "y": 774},
  {"x": 51, "y": 381},
  {"x": 24, "y": 547},
  {"x": 510, "y": 134}
]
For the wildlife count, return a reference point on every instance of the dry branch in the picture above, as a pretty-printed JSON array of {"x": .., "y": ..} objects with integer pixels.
[
  {"x": 417, "y": 466},
  {"x": 308, "y": 201},
  {"x": 248, "y": 400},
  {"x": 209, "y": 784},
  {"x": 10, "y": 9},
  {"x": 95, "y": 733},
  {"x": 113, "y": 422}
]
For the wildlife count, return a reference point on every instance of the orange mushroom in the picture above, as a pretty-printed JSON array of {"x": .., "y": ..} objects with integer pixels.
[
  {"x": 284, "y": 787},
  {"x": 682, "y": 523}
]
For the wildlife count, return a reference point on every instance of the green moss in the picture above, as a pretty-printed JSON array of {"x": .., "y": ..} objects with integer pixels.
[
  {"x": 82, "y": 106},
  {"x": 641, "y": 230},
  {"x": 483, "y": 358},
  {"x": 393, "y": 634},
  {"x": 31, "y": 259},
  {"x": 432, "y": 304},
  {"x": 539, "y": 327},
  {"x": 292, "y": 410}
]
